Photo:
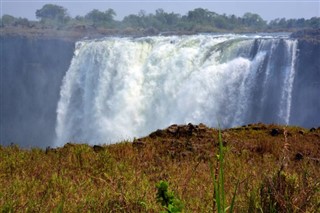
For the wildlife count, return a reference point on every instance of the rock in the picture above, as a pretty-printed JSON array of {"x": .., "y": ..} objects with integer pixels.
[
  {"x": 201, "y": 126},
  {"x": 157, "y": 133},
  {"x": 138, "y": 144},
  {"x": 97, "y": 148},
  {"x": 191, "y": 126},
  {"x": 275, "y": 132},
  {"x": 307, "y": 34},
  {"x": 301, "y": 132},
  {"x": 298, "y": 156},
  {"x": 150, "y": 31},
  {"x": 312, "y": 129},
  {"x": 173, "y": 129},
  {"x": 49, "y": 149}
]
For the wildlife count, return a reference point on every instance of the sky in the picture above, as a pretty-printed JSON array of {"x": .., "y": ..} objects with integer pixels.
[{"x": 267, "y": 9}]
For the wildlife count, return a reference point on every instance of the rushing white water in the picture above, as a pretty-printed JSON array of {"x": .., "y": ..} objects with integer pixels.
[
  {"x": 286, "y": 96},
  {"x": 119, "y": 88}
]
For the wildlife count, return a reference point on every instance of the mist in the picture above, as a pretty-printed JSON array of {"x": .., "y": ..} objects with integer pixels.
[{"x": 31, "y": 75}]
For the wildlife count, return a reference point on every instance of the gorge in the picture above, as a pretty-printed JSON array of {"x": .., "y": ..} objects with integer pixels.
[{"x": 109, "y": 89}]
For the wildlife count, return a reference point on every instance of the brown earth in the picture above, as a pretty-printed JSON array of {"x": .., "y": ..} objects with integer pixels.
[
  {"x": 180, "y": 141},
  {"x": 275, "y": 169}
]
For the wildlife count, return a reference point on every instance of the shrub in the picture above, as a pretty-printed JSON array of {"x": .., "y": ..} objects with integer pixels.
[{"x": 167, "y": 198}]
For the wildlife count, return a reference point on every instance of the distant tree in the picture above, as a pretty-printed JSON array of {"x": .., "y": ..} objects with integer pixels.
[
  {"x": 142, "y": 13},
  {"x": 314, "y": 22},
  {"x": 134, "y": 21},
  {"x": 52, "y": 12},
  {"x": 167, "y": 21},
  {"x": 300, "y": 23},
  {"x": 291, "y": 23},
  {"x": 282, "y": 23},
  {"x": 142, "y": 20},
  {"x": 99, "y": 18},
  {"x": 222, "y": 22},
  {"x": 79, "y": 18},
  {"x": 22, "y": 22},
  {"x": 201, "y": 16},
  {"x": 233, "y": 22},
  {"x": 7, "y": 20},
  {"x": 254, "y": 21}
]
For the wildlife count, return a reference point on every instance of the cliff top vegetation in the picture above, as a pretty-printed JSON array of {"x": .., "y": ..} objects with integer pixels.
[{"x": 54, "y": 20}]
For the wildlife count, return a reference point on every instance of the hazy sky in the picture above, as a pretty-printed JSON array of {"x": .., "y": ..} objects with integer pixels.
[{"x": 268, "y": 10}]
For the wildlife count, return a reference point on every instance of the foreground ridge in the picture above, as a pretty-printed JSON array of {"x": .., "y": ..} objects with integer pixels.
[{"x": 122, "y": 177}]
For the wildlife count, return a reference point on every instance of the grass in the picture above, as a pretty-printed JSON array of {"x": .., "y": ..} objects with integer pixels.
[
  {"x": 218, "y": 182},
  {"x": 122, "y": 177}
]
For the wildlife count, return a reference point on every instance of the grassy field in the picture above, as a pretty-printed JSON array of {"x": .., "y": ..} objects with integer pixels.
[{"x": 276, "y": 169}]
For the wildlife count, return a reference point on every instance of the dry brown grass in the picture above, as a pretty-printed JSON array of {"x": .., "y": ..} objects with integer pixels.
[{"x": 278, "y": 172}]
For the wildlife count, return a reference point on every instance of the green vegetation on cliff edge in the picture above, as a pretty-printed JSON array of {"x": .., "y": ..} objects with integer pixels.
[{"x": 101, "y": 23}]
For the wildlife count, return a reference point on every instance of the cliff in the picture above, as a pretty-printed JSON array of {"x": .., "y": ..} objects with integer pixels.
[
  {"x": 306, "y": 105},
  {"x": 31, "y": 74}
]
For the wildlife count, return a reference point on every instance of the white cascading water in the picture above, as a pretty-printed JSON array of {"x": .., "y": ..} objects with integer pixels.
[
  {"x": 119, "y": 88},
  {"x": 286, "y": 96}
]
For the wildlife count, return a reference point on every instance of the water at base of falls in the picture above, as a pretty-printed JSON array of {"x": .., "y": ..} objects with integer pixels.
[{"x": 119, "y": 88}]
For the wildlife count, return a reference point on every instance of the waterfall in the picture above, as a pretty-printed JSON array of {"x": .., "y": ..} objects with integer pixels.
[
  {"x": 286, "y": 96},
  {"x": 119, "y": 88}
]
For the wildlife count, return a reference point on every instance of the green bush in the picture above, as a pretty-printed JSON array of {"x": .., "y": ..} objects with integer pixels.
[{"x": 167, "y": 198}]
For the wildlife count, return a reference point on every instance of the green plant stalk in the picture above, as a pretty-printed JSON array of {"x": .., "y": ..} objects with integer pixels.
[
  {"x": 234, "y": 197},
  {"x": 221, "y": 173},
  {"x": 216, "y": 188},
  {"x": 218, "y": 183}
]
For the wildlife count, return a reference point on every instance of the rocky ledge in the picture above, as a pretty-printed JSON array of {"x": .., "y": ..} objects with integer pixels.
[
  {"x": 311, "y": 35},
  {"x": 183, "y": 141}
]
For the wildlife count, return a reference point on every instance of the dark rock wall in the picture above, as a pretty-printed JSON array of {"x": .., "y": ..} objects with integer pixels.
[
  {"x": 31, "y": 74},
  {"x": 306, "y": 90}
]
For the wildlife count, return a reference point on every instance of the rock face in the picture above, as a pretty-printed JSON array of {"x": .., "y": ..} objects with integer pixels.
[
  {"x": 307, "y": 85},
  {"x": 201, "y": 142},
  {"x": 312, "y": 35},
  {"x": 31, "y": 75}
]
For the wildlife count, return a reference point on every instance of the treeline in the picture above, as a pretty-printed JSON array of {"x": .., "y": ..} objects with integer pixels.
[{"x": 198, "y": 20}]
